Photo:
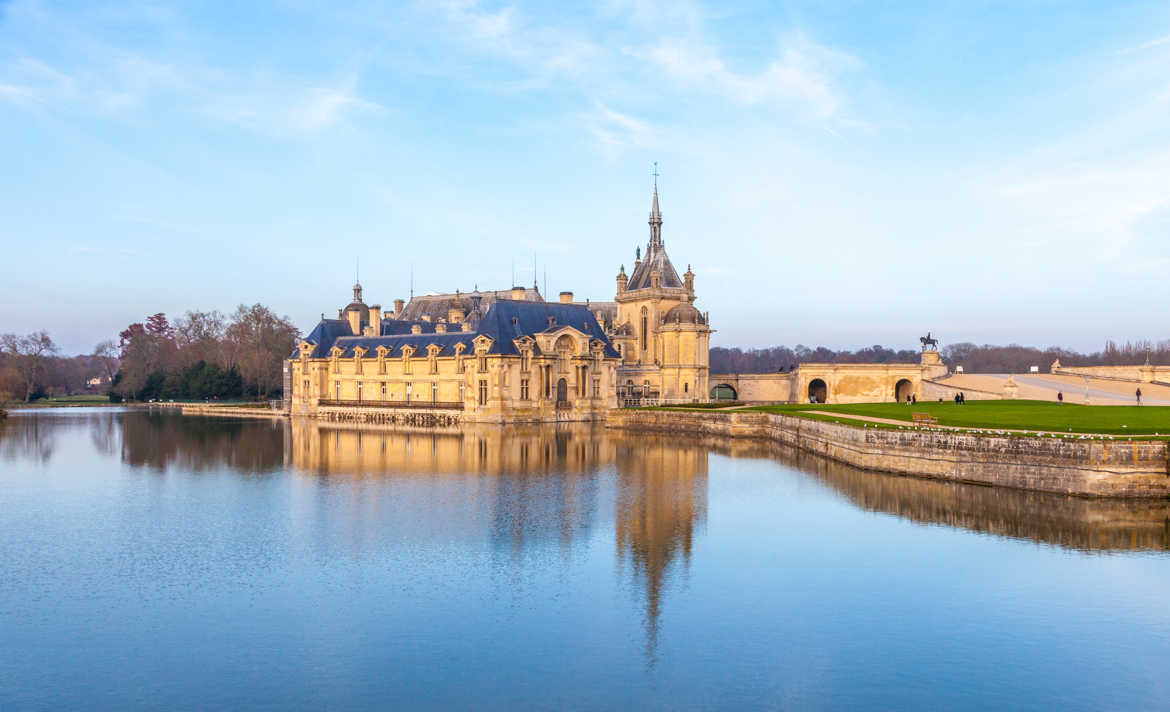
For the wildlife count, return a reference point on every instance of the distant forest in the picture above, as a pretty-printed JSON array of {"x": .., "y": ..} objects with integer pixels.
[{"x": 972, "y": 357}]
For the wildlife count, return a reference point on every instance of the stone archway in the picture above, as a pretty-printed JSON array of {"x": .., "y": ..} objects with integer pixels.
[
  {"x": 903, "y": 389},
  {"x": 723, "y": 392},
  {"x": 818, "y": 391}
]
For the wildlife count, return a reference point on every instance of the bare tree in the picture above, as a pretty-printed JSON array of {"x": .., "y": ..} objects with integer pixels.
[
  {"x": 105, "y": 359},
  {"x": 28, "y": 354},
  {"x": 259, "y": 341},
  {"x": 199, "y": 337}
]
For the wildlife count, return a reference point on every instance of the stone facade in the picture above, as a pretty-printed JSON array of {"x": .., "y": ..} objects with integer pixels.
[
  {"x": 518, "y": 361},
  {"x": 836, "y": 382}
]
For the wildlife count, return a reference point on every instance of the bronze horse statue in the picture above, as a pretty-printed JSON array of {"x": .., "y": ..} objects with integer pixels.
[{"x": 928, "y": 342}]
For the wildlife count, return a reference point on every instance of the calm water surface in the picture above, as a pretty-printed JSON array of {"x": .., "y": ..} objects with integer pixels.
[{"x": 167, "y": 562}]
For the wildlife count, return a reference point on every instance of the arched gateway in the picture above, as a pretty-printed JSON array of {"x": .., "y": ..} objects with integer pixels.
[
  {"x": 818, "y": 392},
  {"x": 723, "y": 392}
]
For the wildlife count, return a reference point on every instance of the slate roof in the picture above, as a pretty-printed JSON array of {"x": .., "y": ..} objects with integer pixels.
[
  {"x": 505, "y": 320},
  {"x": 655, "y": 258},
  {"x": 436, "y": 305}
]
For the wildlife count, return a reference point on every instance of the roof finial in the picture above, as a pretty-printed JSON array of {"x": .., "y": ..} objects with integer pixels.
[{"x": 655, "y": 214}]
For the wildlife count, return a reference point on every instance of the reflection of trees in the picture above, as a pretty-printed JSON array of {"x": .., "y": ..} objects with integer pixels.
[
  {"x": 103, "y": 431},
  {"x": 28, "y": 437},
  {"x": 161, "y": 441}
]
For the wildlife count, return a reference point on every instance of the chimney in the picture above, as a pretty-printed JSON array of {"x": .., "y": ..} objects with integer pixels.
[
  {"x": 465, "y": 326},
  {"x": 518, "y": 294},
  {"x": 398, "y": 304},
  {"x": 415, "y": 329},
  {"x": 566, "y": 297},
  {"x": 440, "y": 328},
  {"x": 387, "y": 314},
  {"x": 455, "y": 315},
  {"x": 376, "y": 319}
]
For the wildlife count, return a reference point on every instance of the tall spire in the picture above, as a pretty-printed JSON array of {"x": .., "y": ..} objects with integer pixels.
[{"x": 655, "y": 215}]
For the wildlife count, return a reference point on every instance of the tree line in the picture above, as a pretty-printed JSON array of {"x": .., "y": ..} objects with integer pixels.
[
  {"x": 31, "y": 367},
  {"x": 974, "y": 358},
  {"x": 202, "y": 355}
]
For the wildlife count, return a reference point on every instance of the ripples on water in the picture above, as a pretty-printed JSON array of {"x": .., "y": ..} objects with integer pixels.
[{"x": 160, "y": 561}]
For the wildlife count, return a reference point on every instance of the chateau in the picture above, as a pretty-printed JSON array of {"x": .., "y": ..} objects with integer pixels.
[{"x": 509, "y": 356}]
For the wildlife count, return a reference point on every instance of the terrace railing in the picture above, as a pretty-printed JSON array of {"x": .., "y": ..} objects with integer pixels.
[{"x": 421, "y": 404}]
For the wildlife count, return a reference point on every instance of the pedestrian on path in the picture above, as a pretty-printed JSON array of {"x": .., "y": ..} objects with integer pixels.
[
  {"x": 1060, "y": 397},
  {"x": 1139, "y": 396}
]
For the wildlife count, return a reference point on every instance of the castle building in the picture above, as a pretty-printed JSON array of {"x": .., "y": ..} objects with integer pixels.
[
  {"x": 662, "y": 338},
  {"x": 508, "y": 355}
]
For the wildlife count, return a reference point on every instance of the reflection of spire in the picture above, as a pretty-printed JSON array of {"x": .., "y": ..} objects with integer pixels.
[{"x": 662, "y": 496}]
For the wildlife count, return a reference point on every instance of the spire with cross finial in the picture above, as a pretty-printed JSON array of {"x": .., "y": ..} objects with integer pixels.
[{"x": 655, "y": 214}]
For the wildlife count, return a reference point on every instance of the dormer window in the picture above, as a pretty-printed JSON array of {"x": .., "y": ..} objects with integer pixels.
[{"x": 552, "y": 321}]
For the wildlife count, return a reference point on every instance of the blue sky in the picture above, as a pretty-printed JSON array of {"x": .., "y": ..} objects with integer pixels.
[{"x": 836, "y": 173}]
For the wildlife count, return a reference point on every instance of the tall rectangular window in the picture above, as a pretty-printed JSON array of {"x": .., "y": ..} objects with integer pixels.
[
  {"x": 359, "y": 390},
  {"x": 523, "y": 389},
  {"x": 483, "y": 392},
  {"x": 596, "y": 387}
]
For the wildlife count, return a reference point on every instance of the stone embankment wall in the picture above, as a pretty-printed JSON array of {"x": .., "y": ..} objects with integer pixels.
[
  {"x": 227, "y": 411},
  {"x": 1097, "y": 468}
]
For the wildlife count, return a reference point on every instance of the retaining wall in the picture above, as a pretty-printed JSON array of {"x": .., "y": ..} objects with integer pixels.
[{"x": 1095, "y": 468}]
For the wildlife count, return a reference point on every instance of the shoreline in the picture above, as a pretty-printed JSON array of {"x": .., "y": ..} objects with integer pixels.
[{"x": 1082, "y": 467}]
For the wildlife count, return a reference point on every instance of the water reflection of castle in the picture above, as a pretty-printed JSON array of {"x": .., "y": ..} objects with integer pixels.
[{"x": 543, "y": 485}]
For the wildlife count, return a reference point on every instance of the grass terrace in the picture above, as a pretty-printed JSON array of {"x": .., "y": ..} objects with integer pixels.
[{"x": 1129, "y": 420}]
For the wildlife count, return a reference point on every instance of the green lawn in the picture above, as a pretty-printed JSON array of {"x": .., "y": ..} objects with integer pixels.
[
  {"x": 60, "y": 401},
  {"x": 1025, "y": 415}
]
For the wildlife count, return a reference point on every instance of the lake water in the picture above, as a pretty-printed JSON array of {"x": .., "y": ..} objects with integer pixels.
[{"x": 155, "y": 561}]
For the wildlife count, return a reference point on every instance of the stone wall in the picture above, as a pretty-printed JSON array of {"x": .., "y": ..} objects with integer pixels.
[
  {"x": 1143, "y": 373},
  {"x": 933, "y": 390},
  {"x": 1096, "y": 468}
]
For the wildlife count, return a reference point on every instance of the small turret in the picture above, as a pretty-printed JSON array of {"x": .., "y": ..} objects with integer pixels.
[
  {"x": 689, "y": 283},
  {"x": 622, "y": 280}
]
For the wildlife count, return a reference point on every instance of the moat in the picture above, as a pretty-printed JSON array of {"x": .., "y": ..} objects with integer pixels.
[{"x": 153, "y": 560}]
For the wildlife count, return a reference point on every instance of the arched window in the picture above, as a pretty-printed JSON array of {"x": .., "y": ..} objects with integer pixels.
[
  {"x": 686, "y": 387},
  {"x": 645, "y": 322}
]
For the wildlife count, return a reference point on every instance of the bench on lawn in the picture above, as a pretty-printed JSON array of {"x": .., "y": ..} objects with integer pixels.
[{"x": 923, "y": 419}]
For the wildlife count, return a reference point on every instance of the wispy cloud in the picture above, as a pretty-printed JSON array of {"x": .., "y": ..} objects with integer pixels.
[
  {"x": 802, "y": 74},
  {"x": 615, "y": 131},
  {"x": 1159, "y": 42}
]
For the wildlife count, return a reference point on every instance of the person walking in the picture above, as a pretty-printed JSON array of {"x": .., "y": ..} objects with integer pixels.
[
  {"x": 1139, "y": 396},
  {"x": 1060, "y": 397}
]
